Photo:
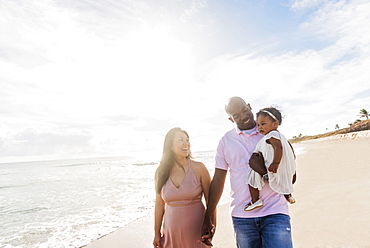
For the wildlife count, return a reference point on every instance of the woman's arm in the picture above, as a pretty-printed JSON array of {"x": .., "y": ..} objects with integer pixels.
[
  {"x": 158, "y": 218},
  {"x": 206, "y": 183},
  {"x": 215, "y": 192},
  {"x": 205, "y": 180},
  {"x": 278, "y": 153}
]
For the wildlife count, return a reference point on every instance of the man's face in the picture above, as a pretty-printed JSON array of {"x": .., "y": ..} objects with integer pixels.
[{"x": 241, "y": 114}]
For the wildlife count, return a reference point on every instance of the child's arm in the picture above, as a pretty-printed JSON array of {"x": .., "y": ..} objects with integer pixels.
[{"x": 278, "y": 153}]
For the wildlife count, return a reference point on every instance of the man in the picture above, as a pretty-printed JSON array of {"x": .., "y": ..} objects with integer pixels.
[{"x": 268, "y": 226}]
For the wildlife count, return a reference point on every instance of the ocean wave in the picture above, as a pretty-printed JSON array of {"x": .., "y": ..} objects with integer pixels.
[
  {"x": 114, "y": 167},
  {"x": 145, "y": 163},
  {"x": 92, "y": 161},
  {"x": 28, "y": 211},
  {"x": 8, "y": 186}
]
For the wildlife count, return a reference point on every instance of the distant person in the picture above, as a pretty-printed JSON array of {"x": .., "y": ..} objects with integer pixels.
[
  {"x": 180, "y": 183},
  {"x": 267, "y": 227},
  {"x": 278, "y": 157}
]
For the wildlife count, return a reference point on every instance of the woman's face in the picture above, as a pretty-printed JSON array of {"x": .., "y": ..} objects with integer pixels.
[{"x": 181, "y": 144}]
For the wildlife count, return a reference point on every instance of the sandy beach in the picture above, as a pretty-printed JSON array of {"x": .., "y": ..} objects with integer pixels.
[{"x": 332, "y": 193}]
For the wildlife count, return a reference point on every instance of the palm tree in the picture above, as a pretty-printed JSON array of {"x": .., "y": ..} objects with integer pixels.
[
  {"x": 364, "y": 113},
  {"x": 336, "y": 126}
]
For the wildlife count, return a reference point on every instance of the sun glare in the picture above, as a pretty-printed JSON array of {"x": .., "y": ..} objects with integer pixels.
[{"x": 149, "y": 62}]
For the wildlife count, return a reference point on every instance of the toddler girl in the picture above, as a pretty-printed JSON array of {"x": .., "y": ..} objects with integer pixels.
[{"x": 278, "y": 156}]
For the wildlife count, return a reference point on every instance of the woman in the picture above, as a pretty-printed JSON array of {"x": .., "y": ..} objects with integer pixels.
[{"x": 180, "y": 183}]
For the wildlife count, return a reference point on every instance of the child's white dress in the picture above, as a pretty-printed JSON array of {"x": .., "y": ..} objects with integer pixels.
[{"x": 280, "y": 182}]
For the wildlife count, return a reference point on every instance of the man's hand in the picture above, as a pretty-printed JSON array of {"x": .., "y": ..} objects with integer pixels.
[
  {"x": 208, "y": 230},
  {"x": 257, "y": 163}
]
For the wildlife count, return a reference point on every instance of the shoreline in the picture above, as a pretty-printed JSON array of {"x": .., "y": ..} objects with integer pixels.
[{"x": 332, "y": 201}]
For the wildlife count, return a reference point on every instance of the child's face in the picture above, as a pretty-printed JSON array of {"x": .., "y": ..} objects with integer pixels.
[{"x": 266, "y": 124}]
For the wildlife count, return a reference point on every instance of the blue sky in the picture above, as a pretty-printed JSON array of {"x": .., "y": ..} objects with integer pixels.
[{"x": 110, "y": 78}]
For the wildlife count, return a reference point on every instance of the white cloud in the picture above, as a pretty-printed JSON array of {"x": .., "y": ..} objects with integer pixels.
[
  {"x": 194, "y": 8},
  {"x": 114, "y": 77},
  {"x": 306, "y": 4},
  {"x": 82, "y": 77},
  {"x": 314, "y": 88},
  {"x": 32, "y": 142}
]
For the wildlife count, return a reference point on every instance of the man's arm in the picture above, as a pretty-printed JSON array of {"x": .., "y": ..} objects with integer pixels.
[{"x": 215, "y": 192}]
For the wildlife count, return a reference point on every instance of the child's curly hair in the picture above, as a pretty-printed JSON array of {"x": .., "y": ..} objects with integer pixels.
[{"x": 271, "y": 112}]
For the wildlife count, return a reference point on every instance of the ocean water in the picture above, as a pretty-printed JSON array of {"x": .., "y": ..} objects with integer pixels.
[{"x": 69, "y": 203}]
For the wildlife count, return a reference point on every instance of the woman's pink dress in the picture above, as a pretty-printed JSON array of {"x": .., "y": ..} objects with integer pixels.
[{"x": 184, "y": 213}]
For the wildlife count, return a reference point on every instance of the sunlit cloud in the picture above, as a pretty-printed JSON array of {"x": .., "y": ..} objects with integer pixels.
[
  {"x": 314, "y": 88},
  {"x": 115, "y": 76},
  {"x": 306, "y": 4}
]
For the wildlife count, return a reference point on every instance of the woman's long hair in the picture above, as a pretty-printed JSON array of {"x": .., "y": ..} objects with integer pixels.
[{"x": 168, "y": 160}]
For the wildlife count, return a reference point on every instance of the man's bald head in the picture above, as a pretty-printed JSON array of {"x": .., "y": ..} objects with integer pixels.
[
  {"x": 240, "y": 113},
  {"x": 232, "y": 102}
]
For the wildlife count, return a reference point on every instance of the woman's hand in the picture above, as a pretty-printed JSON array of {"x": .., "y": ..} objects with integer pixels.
[
  {"x": 157, "y": 241},
  {"x": 208, "y": 230}
]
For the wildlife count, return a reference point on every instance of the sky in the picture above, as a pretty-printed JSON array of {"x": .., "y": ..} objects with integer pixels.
[{"x": 83, "y": 78}]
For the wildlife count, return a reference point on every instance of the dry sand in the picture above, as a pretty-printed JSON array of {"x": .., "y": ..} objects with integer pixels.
[
  {"x": 333, "y": 194},
  {"x": 332, "y": 209}
]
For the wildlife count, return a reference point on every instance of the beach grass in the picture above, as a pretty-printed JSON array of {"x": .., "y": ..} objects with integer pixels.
[{"x": 357, "y": 126}]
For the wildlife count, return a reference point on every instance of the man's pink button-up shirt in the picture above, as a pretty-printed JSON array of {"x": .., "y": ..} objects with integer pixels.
[{"x": 233, "y": 153}]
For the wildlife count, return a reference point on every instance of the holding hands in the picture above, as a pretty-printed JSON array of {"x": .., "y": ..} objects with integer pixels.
[{"x": 208, "y": 230}]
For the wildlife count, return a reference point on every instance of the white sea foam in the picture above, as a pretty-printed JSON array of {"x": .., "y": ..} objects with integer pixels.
[{"x": 299, "y": 150}]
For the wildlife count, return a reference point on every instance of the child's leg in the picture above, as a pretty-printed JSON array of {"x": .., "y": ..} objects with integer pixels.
[
  {"x": 256, "y": 202},
  {"x": 255, "y": 194},
  {"x": 290, "y": 198}
]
